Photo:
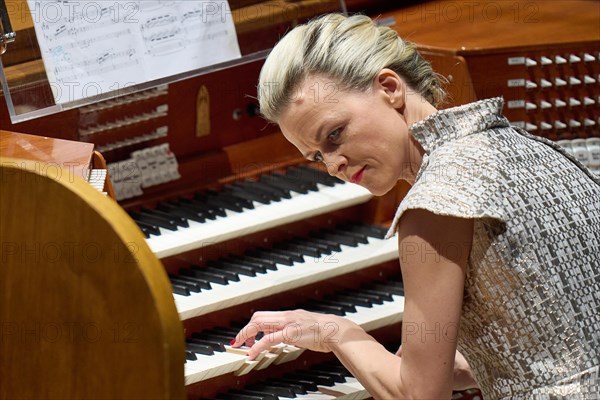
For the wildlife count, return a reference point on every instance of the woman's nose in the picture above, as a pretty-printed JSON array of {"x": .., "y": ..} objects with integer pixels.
[{"x": 336, "y": 163}]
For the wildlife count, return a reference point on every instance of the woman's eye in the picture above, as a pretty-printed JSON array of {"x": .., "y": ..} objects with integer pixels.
[
  {"x": 318, "y": 157},
  {"x": 335, "y": 135}
]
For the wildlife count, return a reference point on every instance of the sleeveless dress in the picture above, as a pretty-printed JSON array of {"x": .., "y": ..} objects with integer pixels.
[{"x": 530, "y": 325}]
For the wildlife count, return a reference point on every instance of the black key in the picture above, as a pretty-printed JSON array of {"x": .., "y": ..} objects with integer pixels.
[
  {"x": 150, "y": 219},
  {"x": 301, "y": 249},
  {"x": 216, "y": 346},
  {"x": 154, "y": 219},
  {"x": 187, "y": 275},
  {"x": 268, "y": 264},
  {"x": 334, "y": 237},
  {"x": 209, "y": 276},
  {"x": 360, "y": 237},
  {"x": 214, "y": 336},
  {"x": 322, "y": 248},
  {"x": 347, "y": 305},
  {"x": 315, "y": 174},
  {"x": 358, "y": 301},
  {"x": 199, "y": 209},
  {"x": 276, "y": 390},
  {"x": 220, "y": 202},
  {"x": 374, "y": 298},
  {"x": 231, "y": 332},
  {"x": 319, "y": 379},
  {"x": 251, "y": 187},
  {"x": 279, "y": 181},
  {"x": 232, "y": 276},
  {"x": 306, "y": 182},
  {"x": 199, "y": 348},
  {"x": 386, "y": 296},
  {"x": 321, "y": 175},
  {"x": 222, "y": 199},
  {"x": 192, "y": 286},
  {"x": 371, "y": 230},
  {"x": 334, "y": 366},
  {"x": 200, "y": 201},
  {"x": 283, "y": 192},
  {"x": 180, "y": 289},
  {"x": 183, "y": 212},
  {"x": 245, "y": 194},
  {"x": 295, "y": 255},
  {"x": 337, "y": 376},
  {"x": 251, "y": 394},
  {"x": 190, "y": 356},
  {"x": 237, "y": 396},
  {"x": 334, "y": 245},
  {"x": 145, "y": 232},
  {"x": 174, "y": 219},
  {"x": 296, "y": 389},
  {"x": 325, "y": 308},
  {"x": 254, "y": 266},
  {"x": 231, "y": 198},
  {"x": 274, "y": 191},
  {"x": 264, "y": 254},
  {"x": 150, "y": 228},
  {"x": 307, "y": 176},
  {"x": 389, "y": 287},
  {"x": 307, "y": 385},
  {"x": 231, "y": 267}
]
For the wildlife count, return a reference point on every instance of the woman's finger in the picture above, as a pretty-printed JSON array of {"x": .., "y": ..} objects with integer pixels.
[
  {"x": 266, "y": 343},
  {"x": 261, "y": 321}
]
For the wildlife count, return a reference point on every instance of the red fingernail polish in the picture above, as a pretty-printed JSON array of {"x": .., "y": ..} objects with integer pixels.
[
  {"x": 247, "y": 354},
  {"x": 232, "y": 342}
]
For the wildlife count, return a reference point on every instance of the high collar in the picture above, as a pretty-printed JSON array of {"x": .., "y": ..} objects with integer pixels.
[{"x": 452, "y": 123}]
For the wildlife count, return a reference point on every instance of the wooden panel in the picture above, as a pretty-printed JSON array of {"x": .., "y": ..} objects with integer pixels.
[
  {"x": 469, "y": 27},
  {"x": 73, "y": 157},
  {"x": 87, "y": 310}
]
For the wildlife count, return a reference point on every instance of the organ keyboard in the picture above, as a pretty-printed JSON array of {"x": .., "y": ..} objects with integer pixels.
[{"x": 218, "y": 216}]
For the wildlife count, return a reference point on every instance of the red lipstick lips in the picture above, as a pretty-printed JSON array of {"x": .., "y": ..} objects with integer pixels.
[{"x": 357, "y": 176}]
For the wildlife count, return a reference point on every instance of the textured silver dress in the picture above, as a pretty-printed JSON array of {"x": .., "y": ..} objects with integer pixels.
[{"x": 530, "y": 325}]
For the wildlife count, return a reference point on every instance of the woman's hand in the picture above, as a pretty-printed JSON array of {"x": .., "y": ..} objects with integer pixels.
[{"x": 300, "y": 328}]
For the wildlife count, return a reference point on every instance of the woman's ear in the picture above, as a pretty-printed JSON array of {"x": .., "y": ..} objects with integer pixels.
[{"x": 392, "y": 86}]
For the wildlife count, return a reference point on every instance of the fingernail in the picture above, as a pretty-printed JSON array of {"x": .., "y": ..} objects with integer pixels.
[
  {"x": 248, "y": 354},
  {"x": 232, "y": 342}
]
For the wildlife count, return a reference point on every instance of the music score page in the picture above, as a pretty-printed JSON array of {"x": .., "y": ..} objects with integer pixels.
[{"x": 94, "y": 47}]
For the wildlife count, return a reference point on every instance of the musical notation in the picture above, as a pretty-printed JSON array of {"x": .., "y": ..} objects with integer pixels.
[{"x": 109, "y": 46}]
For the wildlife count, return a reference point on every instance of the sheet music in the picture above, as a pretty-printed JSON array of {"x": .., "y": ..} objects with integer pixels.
[{"x": 94, "y": 47}]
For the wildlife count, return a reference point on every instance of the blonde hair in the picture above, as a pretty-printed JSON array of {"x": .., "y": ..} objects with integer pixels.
[{"x": 351, "y": 51}]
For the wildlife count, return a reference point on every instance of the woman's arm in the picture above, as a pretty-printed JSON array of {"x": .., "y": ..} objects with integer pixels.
[
  {"x": 463, "y": 375},
  {"x": 433, "y": 257}
]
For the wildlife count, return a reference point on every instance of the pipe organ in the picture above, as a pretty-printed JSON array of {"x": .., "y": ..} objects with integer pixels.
[{"x": 233, "y": 221}]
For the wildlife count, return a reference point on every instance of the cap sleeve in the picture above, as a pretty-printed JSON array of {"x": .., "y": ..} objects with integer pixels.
[{"x": 458, "y": 179}]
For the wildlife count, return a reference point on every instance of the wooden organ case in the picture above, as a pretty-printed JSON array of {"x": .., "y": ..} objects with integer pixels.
[{"x": 207, "y": 133}]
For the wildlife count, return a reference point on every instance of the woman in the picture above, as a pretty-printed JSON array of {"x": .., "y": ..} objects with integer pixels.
[{"x": 499, "y": 236}]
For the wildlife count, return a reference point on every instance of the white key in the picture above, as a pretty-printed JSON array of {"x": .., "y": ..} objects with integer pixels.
[
  {"x": 206, "y": 367},
  {"x": 264, "y": 216}
]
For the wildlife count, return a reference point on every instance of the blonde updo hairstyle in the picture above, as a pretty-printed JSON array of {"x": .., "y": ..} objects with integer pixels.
[{"x": 349, "y": 50}]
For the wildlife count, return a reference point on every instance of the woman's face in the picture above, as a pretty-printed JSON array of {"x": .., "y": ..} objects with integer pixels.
[{"x": 360, "y": 136}]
